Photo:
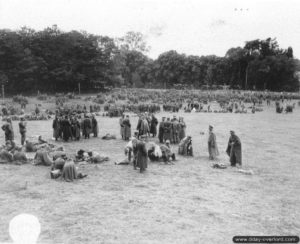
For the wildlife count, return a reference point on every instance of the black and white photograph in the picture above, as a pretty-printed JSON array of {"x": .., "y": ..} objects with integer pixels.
[{"x": 149, "y": 121}]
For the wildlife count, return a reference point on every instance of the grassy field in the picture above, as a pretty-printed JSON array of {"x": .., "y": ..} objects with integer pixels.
[{"x": 189, "y": 202}]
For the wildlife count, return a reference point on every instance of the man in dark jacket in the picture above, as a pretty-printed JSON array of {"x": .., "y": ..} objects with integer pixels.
[
  {"x": 142, "y": 156},
  {"x": 161, "y": 130},
  {"x": 153, "y": 126},
  {"x": 87, "y": 126},
  {"x": 22, "y": 129},
  {"x": 8, "y": 130},
  {"x": 234, "y": 149}
]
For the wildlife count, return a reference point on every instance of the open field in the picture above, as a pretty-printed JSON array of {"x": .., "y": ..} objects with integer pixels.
[{"x": 188, "y": 202}]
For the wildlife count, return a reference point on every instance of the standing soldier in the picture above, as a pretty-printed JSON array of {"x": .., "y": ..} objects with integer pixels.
[
  {"x": 87, "y": 126},
  {"x": 37, "y": 110},
  {"x": 182, "y": 129},
  {"x": 77, "y": 129},
  {"x": 176, "y": 128},
  {"x": 142, "y": 156},
  {"x": 144, "y": 126},
  {"x": 122, "y": 126},
  {"x": 234, "y": 149},
  {"x": 56, "y": 128},
  {"x": 161, "y": 130},
  {"x": 167, "y": 129},
  {"x": 153, "y": 126},
  {"x": 95, "y": 128},
  {"x": 127, "y": 128},
  {"x": 22, "y": 129},
  {"x": 8, "y": 130},
  {"x": 212, "y": 144}
]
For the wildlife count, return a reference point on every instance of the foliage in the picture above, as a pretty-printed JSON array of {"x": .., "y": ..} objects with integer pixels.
[
  {"x": 55, "y": 61},
  {"x": 52, "y": 60}
]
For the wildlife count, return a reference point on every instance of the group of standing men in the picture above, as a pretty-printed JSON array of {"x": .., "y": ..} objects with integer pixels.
[
  {"x": 9, "y": 131},
  {"x": 172, "y": 130},
  {"x": 234, "y": 147},
  {"x": 147, "y": 125},
  {"x": 71, "y": 126},
  {"x": 125, "y": 127}
]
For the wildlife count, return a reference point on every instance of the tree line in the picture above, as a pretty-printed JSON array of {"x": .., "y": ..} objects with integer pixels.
[{"x": 52, "y": 60}]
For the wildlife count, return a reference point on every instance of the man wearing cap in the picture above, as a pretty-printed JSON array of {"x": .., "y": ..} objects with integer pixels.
[
  {"x": 144, "y": 128},
  {"x": 167, "y": 130},
  {"x": 121, "y": 126},
  {"x": 8, "y": 130},
  {"x": 56, "y": 128},
  {"x": 161, "y": 130},
  {"x": 127, "y": 128},
  {"x": 142, "y": 157},
  {"x": 22, "y": 129},
  {"x": 182, "y": 127},
  {"x": 212, "y": 144},
  {"x": 234, "y": 149},
  {"x": 87, "y": 126},
  {"x": 153, "y": 125},
  {"x": 95, "y": 128},
  {"x": 66, "y": 129},
  {"x": 176, "y": 127}
]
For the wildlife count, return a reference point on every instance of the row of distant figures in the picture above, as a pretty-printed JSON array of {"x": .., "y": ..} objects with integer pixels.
[{"x": 288, "y": 108}]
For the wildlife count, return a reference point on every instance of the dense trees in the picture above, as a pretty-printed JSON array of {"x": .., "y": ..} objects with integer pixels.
[{"x": 52, "y": 60}]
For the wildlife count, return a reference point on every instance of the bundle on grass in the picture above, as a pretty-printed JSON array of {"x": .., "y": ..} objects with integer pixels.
[
  {"x": 109, "y": 137},
  {"x": 90, "y": 157},
  {"x": 66, "y": 169},
  {"x": 17, "y": 157}
]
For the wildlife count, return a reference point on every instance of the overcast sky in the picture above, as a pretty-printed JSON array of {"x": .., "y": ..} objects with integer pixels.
[{"x": 188, "y": 26}]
